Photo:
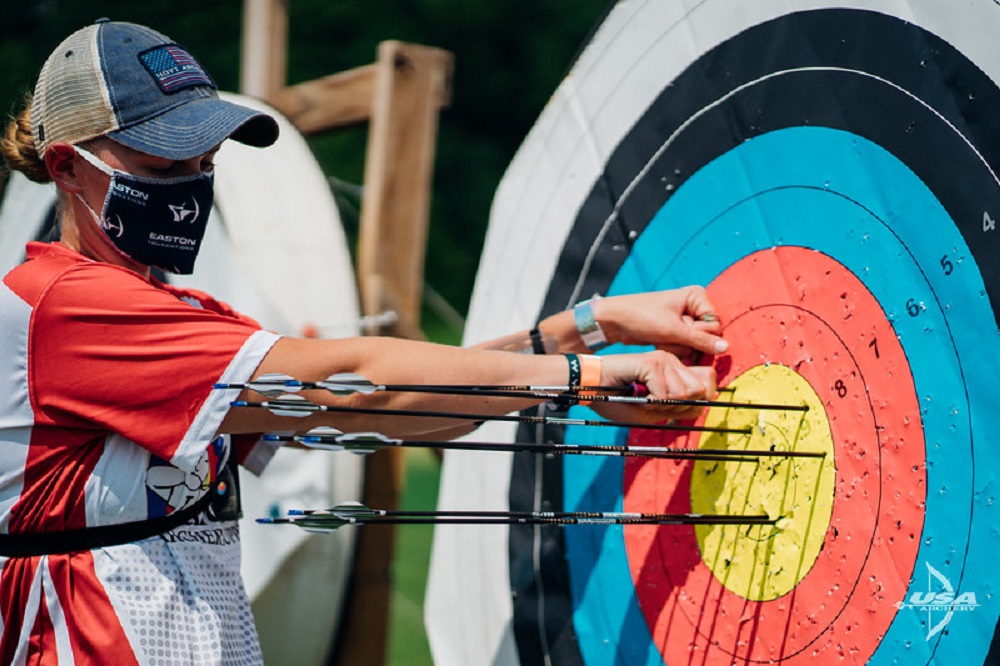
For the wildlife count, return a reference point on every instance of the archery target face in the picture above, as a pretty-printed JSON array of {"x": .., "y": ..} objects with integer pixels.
[{"x": 838, "y": 201}]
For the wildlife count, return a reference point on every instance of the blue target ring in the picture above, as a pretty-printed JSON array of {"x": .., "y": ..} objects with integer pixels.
[
  {"x": 812, "y": 187},
  {"x": 774, "y": 137}
]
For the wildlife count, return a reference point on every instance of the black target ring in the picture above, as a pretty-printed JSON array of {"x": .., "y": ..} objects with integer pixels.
[{"x": 831, "y": 71}]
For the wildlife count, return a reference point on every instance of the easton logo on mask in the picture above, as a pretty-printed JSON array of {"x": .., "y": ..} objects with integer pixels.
[{"x": 153, "y": 221}]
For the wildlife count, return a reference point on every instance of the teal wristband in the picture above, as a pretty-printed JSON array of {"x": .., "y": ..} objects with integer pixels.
[{"x": 575, "y": 373}]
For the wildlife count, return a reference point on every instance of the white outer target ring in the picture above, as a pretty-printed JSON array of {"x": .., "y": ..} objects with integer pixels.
[{"x": 638, "y": 49}]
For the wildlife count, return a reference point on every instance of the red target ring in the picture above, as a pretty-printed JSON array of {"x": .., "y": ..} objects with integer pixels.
[{"x": 808, "y": 312}]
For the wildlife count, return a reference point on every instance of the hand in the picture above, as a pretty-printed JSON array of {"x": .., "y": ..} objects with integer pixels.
[
  {"x": 677, "y": 320},
  {"x": 665, "y": 376}
]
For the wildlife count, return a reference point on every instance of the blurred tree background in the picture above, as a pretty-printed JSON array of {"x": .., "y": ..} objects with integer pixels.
[{"x": 509, "y": 58}]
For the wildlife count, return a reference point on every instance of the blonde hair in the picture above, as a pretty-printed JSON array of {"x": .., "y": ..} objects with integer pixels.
[{"x": 19, "y": 151}]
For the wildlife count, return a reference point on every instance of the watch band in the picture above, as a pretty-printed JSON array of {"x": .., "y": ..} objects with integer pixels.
[
  {"x": 587, "y": 326},
  {"x": 537, "y": 343}
]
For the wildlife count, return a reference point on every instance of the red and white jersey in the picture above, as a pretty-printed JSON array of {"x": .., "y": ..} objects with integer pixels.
[{"x": 108, "y": 415}]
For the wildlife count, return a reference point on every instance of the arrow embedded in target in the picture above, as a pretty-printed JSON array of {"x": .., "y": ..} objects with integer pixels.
[
  {"x": 344, "y": 384},
  {"x": 365, "y": 443},
  {"x": 328, "y": 520}
]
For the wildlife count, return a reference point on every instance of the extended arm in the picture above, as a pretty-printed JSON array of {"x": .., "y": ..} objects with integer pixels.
[
  {"x": 677, "y": 320},
  {"x": 394, "y": 361}
]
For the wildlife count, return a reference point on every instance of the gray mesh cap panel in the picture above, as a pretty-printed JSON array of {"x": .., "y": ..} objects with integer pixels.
[{"x": 71, "y": 101}]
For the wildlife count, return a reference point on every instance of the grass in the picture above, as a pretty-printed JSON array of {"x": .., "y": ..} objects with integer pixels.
[{"x": 407, "y": 638}]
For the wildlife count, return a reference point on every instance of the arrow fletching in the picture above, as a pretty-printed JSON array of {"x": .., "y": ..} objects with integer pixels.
[
  {"x": 270, "y": 385},
  {"x": 289, "y": 405},
  {"x": 361, "y": 443},
  {"x": 347, "y": 384}
]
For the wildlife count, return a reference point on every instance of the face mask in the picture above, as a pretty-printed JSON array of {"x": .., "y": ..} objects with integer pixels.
[{"x": 157, "y": 222}]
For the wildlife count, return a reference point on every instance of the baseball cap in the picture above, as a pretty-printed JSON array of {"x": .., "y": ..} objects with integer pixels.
[{"x": 136, "y": 86}]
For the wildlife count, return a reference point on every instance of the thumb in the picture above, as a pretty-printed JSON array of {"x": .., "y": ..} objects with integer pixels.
[{"x": 701, "y": 340}]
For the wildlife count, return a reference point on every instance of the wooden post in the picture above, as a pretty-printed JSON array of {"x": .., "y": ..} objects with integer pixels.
[
  {"x": 411, "y": 85},
  {"x": 333, "y": 101},
  {"x": 264, "y": 57},
  {"x": 400, "y": 95}
]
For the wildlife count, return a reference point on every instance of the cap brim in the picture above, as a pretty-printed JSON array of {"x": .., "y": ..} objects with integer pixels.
[{"x": 197, "y": 127}]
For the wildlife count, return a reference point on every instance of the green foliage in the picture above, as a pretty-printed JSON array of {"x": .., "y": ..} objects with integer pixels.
[{"x": 509, "y": 58}]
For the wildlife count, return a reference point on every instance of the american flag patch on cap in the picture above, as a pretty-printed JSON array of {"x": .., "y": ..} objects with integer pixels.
[{"x": 173, "y": 68}]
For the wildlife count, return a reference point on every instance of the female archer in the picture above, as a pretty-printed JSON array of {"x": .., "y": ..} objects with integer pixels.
[{"x": 118, "y": 543}]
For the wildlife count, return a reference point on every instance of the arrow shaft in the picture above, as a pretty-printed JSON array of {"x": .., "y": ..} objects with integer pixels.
[
  {"x": 305, "y": 407},
  {"x": 572, "y": 394},
  {"x": 331, "y": 521},
  {"x": 561, "y": 449},
  {"x": 550, "y": 393},
  {"x": 561, "y": 515}
]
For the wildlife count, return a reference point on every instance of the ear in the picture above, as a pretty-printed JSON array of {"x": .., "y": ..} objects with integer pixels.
[{"x": 62, "y": 162}]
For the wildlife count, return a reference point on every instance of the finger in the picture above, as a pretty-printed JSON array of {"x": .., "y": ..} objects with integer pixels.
[
  {"x": 690, "y": 383},
  {"x": 680, "y": 351},
  {"x": 699, "y": 339},
  {"x": 675, "y": 383},
  {"x": 695, "y": 385},
  {"x": 679, "y": 383},
  {"x": 706, "y": 375},
  {"x": 698, "y": 305}
]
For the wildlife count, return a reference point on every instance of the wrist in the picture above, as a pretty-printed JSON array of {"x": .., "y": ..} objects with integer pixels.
[{"x": 584, "y": 370}]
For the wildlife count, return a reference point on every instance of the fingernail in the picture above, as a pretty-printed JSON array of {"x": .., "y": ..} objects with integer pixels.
[
  {"x": 709, "y": 317},
  {"x": 721, "y": 346}
]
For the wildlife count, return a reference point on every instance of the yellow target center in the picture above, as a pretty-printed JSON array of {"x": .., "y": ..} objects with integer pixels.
[{"x": 764, "y": 562}]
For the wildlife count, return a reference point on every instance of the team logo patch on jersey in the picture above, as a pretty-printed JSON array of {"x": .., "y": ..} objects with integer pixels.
[
  {"x": 170, "y": 489},
  {"x": 173, "y": 68}
]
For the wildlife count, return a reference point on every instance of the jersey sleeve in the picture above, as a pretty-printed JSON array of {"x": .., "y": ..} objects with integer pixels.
[{"x": 110, "y": 351}]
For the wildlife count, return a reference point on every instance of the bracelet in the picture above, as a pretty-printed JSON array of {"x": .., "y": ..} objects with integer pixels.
[
  {"x": 587, "y": 326},
  {"x": 583, "y": 371},
  {"x": 537, "y": 344},
  {"x": 590, "y": 375},
  {"x": 574, "y": 369}
]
